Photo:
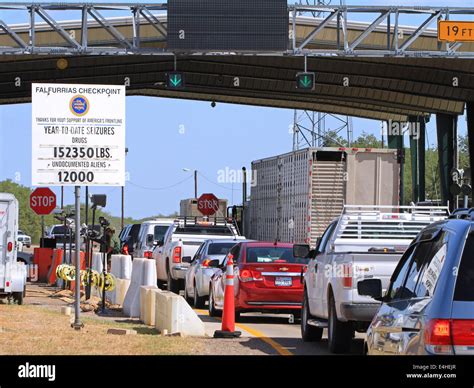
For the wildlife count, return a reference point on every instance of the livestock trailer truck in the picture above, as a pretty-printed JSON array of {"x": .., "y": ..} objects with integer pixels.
[
  {"x": 12, "y": 273},
  {"x": 296, "y": 195}
]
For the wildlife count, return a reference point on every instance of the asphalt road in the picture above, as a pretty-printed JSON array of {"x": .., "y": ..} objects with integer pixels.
[{"x": 282, "y": 337}]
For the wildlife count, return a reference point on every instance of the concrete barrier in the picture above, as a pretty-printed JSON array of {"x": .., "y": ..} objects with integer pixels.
[
  {"x": 121, "y": 288},
  {"x": 96, "y": 263},
  {"x": 143, "y": 274},
  {"x": 147, "y": 304},
  {"x": 173, "y": 314},
  {"x": 121, "y": 266}
]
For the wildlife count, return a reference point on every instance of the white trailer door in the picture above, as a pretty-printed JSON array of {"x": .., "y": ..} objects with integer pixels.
[{"x": 5, "y": 236}]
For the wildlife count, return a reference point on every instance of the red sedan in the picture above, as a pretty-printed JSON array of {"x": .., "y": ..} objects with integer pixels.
[{"x": 267, "y": 278}]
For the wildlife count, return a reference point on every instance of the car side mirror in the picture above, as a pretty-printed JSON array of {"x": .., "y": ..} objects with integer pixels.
[
  {"x": 370, "y": 287},
  {"x": 214, "y": 263},
  {"x": 301, "y": 250},
  {"x": 150, "y": 239},
  {"x": 312, "y": 253},
  {"x": 186, "y": 259}
]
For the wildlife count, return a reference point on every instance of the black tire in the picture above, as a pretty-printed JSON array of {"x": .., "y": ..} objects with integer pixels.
[
  {"x": 186, "y": 296},
  {"x": 309, "y": 333},
  {"x": 18, "y": 297},
  {"x": 339, "y": 333},
  {"x": 24, "y": 291},
  {"x": 238, "y": 317},
  {"x": 213, "y": 312},
  {"x": 173, "y": 285},
  {"x": 161, "y": 284},
  {"x": 198, "y": 301}
]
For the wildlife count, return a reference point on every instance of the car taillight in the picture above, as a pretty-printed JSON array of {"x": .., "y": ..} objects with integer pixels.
[
  {"x": 7, "y": 284},
  {"x": 462, "y": 332},
  {"x": 148, "y": 254},
  {"x": 10, "y": 246},
  {"x": 347, "y": 275},
  {"x": 438, "y": 336},
  {"x": 247, "y": 275},
  {"x": 177, "y": 255},
  {"x": 442, "y": 334}
]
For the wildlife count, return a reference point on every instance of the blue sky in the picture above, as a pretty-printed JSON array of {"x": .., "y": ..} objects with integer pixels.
[{"x": 166, "y": 135}]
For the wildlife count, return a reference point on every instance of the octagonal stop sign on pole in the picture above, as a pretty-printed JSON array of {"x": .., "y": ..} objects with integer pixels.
[
  {"x": 208, "y": 204},
  {"x": 42, "y": 201}
]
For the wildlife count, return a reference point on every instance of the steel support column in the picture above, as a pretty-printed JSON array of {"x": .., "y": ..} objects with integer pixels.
[
  {"x": 417, "y": 153},
  {"x": 446, "y": 127},
  {"x": 470, "y": 135},
  {"x": 396, "y": 142}
]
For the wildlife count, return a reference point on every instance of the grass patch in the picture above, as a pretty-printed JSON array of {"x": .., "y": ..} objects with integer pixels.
[{"x": 34, "y": 330}]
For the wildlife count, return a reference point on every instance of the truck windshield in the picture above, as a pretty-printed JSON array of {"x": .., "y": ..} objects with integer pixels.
[
  {"x": 465, "y": 282},
  {"x": 219, "y": 248},
  {"x": 159, "y": 232},
  {"x": 273, "y": 255},
  {"x": 59, "y": 230},
  {"x": 210, "y": 230}
]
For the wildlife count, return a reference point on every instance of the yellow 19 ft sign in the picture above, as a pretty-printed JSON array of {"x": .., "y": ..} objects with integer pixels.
[{"x": 452, "y": 31}]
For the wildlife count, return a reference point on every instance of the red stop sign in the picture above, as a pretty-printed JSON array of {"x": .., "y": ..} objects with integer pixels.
[
  {"x": 42, "y": 201},
  {"x": 208, "y": 204}
]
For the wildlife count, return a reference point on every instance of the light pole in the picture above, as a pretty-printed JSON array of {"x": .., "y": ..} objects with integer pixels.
[
  {"x": 123, "y": 195},
  {"x": 195, "y": 180}
]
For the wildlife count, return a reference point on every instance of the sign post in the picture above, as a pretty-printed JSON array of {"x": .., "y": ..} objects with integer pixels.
[{"x": 78, "y": 138}]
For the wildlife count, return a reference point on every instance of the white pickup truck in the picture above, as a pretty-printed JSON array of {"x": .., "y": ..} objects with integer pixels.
[
  {"x": 13, "y": 274},
  {"x": 179, "y": 245},
  {"x": 365, "y": 242}
]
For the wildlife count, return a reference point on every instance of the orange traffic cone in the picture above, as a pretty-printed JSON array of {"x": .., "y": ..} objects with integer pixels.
[{"x": 228, "y": 315}]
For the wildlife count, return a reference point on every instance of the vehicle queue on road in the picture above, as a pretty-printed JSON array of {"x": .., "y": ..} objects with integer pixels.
[{"x": 411, "y": 301}]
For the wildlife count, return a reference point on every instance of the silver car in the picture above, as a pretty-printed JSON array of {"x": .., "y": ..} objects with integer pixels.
[
  {"x": 198, "y": 275},
  {"x": 429, "y": 305},
  {"x": 24, "y": 238}
]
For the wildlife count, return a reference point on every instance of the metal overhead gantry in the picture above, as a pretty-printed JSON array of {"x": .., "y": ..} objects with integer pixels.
[
  {"x": 384, "y": 61},
  {"x": 143, "y": 30}
]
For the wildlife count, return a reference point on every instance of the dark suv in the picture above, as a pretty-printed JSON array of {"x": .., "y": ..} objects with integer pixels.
[{"x": 429, "y": 305}]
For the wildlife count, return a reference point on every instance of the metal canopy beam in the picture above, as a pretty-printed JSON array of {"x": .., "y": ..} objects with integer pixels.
[{"x": 312, "y": 36}]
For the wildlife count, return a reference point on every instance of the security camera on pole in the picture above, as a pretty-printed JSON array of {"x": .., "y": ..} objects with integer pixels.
[{"x": 228, "y": 315}]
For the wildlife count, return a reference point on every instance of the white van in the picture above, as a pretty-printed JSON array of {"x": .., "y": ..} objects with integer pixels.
[
  {"x": 12, "y": 273},
  {"x": 151, "y": 232}
]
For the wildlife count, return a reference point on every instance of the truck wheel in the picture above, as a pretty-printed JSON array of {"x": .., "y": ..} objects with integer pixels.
[
  {"x": 160, "y": 284},
  {"x": 187, "y": 297},
  {"x": 199, "y": 301},
  {"x": 173, "y": 285},
  {"x": 212, "y": 309},
  {"x": 18, "y": 297},
  {"x": 339, "y": 333},
  {"x": 309, "y": 333}
]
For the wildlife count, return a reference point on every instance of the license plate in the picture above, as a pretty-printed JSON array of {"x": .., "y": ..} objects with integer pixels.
[{"x": 283, "y": 282}]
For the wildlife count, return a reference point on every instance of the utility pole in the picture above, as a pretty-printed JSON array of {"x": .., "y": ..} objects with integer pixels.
[{"x": 195, "y": 184}]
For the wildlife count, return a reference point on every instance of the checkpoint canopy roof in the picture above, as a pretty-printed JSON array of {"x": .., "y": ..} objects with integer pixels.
[
  {"x": 366, "y": 77},
  {"x": 379, "y": 88}
]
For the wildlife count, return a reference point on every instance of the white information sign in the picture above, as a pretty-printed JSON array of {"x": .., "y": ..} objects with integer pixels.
[{"x": 78, "y": 135}]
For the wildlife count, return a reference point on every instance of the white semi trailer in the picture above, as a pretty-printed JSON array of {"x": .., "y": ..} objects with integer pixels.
[
  {"x": 12, "y": 273},
  {"x": 296, "y": 195}
]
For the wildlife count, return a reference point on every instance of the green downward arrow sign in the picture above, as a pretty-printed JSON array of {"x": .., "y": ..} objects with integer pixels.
[
  {"x": 175, "y": 80},
  {"x": 306, "y": 81}
]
